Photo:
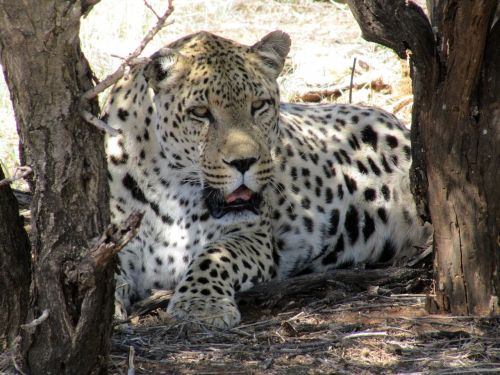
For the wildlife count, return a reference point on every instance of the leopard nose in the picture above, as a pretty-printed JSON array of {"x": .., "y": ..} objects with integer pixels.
[{"x": 242, "y": 165}]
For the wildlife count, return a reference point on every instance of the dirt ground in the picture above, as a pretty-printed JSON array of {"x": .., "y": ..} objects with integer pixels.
[{"x": 335, "y": 325}]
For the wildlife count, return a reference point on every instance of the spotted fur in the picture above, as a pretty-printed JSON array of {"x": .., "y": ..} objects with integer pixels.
[{"x": 238, "y": 188}]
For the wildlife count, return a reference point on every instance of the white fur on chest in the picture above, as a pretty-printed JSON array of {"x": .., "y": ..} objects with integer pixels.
[{"x": 174, "y": 229}]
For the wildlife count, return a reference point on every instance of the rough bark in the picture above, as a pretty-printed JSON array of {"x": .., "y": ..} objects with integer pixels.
[
  {"x": 455, "y": 137},
  {"x": 14, "y": 267},
  {"x": 46, "y": 73}
]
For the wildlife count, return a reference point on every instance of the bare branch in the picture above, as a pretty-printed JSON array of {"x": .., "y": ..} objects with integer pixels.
[
  {"x": 131, "y": 60},
  {"x": 113, "y": 240},
  {"x": 275, "y": 292},
  {"x": 109, "y": 81},
  {"x": 19, "y": 173},
  {"x": 132, "y": 57},
  {"x": 98, "y": 123},
  {"x": 352, "y": 78},
  {"x": 86, "y": 272},
  {"x": 399, "y": 25}
]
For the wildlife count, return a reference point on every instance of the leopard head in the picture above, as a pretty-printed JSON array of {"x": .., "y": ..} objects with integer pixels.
[{"x": 217, "y": 107}]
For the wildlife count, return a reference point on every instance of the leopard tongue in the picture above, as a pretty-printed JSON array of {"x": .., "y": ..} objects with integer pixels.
[{"x": 242, "y": 193}]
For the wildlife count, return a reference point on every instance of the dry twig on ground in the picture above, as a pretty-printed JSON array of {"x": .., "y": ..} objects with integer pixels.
[{"x": 316, "y": 96}]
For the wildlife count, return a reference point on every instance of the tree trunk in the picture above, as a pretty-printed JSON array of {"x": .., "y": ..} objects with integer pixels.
[
  {"x": 14, "y": 267},
  {"x": 455, "y": 137},
  {"x": 46, "y": 73}
]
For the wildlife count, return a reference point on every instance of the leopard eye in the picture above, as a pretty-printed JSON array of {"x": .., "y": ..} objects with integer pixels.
[
  {"x": 259, "y": 106},
  {"x": 199, "y": 112}
]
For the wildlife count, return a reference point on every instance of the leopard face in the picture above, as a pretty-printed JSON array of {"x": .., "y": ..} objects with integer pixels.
[{"x": 218, "y": 117}]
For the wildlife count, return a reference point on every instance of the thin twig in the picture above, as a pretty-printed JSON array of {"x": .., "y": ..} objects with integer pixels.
[
  {"x": 131, "y": 367},
  {"x": 37, "y": 321},
  {"x": 240, "y": 332},
  {"x": 363, "y": 334},
  {"x": 19, "y": 173},
  {"x": 98, "y": 123},
  {"x": 151, "y": 9},
  {"x": 352, "y": 78}
]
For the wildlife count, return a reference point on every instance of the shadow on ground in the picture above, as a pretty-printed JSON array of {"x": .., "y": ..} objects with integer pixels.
[{"x": 364, "y": 327}]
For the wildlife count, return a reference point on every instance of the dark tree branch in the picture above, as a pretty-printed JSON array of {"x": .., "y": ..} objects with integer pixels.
[
  {"x": 15, "y": 264},
  {"x": 87, "y": 5},
  {"x": 274, "y": 292},
  {"x": 113, "y": 241},
  {"x": 399, "y": 25}
]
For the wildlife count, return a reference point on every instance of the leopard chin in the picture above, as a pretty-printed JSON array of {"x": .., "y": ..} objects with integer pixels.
[{"x": 241, "y": 202}]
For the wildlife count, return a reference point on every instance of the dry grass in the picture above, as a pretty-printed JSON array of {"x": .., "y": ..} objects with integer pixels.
[{"x": 325, "y": 39}]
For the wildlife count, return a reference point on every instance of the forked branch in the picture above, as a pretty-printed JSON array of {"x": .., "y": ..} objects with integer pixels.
[
  {"x": 87, "y": 271},
  {"x": 113, "y": 240}
]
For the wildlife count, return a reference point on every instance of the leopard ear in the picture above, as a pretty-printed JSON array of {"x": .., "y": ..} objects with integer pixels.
[
  {"x": 165, "y": 68},
  {"x": 272, "y": 51}
]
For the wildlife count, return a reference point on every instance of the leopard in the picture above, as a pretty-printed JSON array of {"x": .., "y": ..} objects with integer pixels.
[{"x": 237, "y": 188}]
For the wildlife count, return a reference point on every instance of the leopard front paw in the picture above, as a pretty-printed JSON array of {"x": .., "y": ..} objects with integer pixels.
[{"x": 208, "y": 312}]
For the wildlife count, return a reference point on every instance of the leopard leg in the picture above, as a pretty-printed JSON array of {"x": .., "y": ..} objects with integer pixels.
[{"x": 206, "y": 294}]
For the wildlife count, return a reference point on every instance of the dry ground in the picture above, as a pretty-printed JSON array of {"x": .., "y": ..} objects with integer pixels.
[
  {"x": 349, "y": 322},
  {"x": 376, "y": 327}
]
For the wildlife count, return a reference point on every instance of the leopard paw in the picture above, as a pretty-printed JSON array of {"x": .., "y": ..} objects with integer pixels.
[{"x": 208, "y": 312}]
